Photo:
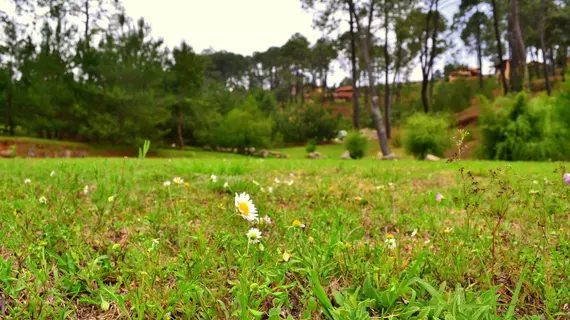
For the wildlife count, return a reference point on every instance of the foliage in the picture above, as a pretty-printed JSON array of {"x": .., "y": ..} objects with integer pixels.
[
  {"x": 298, "y": 124},
  {"x": 397, "y": 140},
  {"x": 311, "y": 146},
  {"x": 426, "y": 134},
  {"x": 516, "y": 128},
  {"x": 356, "y": 144},
  {"x": 457, "y": 96}
]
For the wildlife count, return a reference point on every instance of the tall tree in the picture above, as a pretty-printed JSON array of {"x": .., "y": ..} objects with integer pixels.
[
  {"x": 518, "y": 59},
  {"x": 365, "y": 44},
  {"x": 543, "y": 17},
  {"x": 501, "y": 63}
]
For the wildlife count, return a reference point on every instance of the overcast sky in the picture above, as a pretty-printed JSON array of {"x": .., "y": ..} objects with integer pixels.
[{"x": 240, "y": 26}]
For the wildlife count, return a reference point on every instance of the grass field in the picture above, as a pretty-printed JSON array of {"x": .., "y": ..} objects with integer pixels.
[{"x": 105, "y": 239}]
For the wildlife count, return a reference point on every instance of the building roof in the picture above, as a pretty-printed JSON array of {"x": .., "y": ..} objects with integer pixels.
[{"x": 344, "y": 89}]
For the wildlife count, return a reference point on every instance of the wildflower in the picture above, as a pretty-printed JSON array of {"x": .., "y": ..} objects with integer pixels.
[
  {"x": 86, "y": 189},
  {"x": 567, "y": 178},
  {"x": 311, "y": 239},
  {"x": 262, "y": 189},
  {"x": 297, "y": 223},
  {"x": 52, "y": 173},
  {"x": 266, "y": 219},
  {"x": 291, "y": 175},
  {"x": 270, "y": 189},
  {"x": 111, "y": 199},
  {"x": 290, "y": 182},
  {"x": 255, "y": 182},
  {"x": 277, "y": 180},
  {"x": 533, "y": 192},
  {"x": 448, "y": 230},
  {"x": 226, "y": 185},
  {"x": 286, "y": 256},
  {"x": 381, "y": 187},
  {"x": 545, "y": 180},
  {"x": 390, "y": 242},
  {"x": 357, "y": 198},
  {"x": 439, "y": 197},
  {"x": 261, "y": 247},
  {"x": 246, "y": 207},
  {"x": 253, "y": 235},
  {"x": 27, "y": 181},
  {"x": 414, "y": 232},
  {"x": 166, "y": 183},
  {"x": 43, "y": 200},
  {"x": 178, "y": 180},
  {"x": 214, "y": 178},
  {"x": 186, "y": 184}
]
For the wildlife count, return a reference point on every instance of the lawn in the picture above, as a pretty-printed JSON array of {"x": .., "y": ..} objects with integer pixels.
[{"x": 346, "y": 239}]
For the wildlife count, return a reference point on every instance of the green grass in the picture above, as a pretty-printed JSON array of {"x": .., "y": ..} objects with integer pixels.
[
  {"x": 334, "y": 151},
  {"x": 495, "y": 247}
]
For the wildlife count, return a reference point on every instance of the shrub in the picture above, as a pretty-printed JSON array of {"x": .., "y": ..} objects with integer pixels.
[
  {"x": 397, "y": 140},
  {"x": 516, "y": 128},
  {"x": 311, "y": 146},
  {"x": 356, "y": 144},
  {"x": 298, "y": 124},
  {"x": 427, "y": 134}
]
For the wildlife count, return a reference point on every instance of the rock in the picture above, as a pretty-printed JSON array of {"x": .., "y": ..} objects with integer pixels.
[
  {"x": 431, "y": 157},
  {"x": 315, "y": 155},
  {"x": 379, "y": 156},
  {"x": 391, "y": 156},
  {"x": 276, "y": 154},
  {"x": 31, "y": 153},
  {"x": 6, "y": 153},
  {"x": 264, "y": 153},
  {"x": 345, "y": 156}
]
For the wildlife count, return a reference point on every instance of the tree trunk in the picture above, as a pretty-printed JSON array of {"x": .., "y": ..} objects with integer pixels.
[
  {"x": 387, "y": 98},
  {"x": 564, "y": 60},
  {"x": 355, "y": 108},
  {"x": 480, "y": 56},
  {"x": 518, "y": 61},
  {"x": 499, "y": 46},
  {"x": 179, "y": 127},
  {"x": 536, "y": 67},
  {"x": 541, "y": 33},
  {"x": 553, "y": 63},
  {"x": 374, "y": 109},
  {"x": 425, "y": 101},
  {"x": 10, "y": 112}
]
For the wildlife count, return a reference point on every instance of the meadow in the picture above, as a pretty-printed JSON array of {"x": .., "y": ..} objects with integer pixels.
[{"x": 166, "y": 239}]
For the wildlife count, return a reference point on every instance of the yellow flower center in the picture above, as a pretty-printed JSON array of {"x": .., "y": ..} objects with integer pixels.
[
  {"x": 243, "y": 208},
  {"x": 390, "y": 236},
  {"x": 296, "y": 223}
]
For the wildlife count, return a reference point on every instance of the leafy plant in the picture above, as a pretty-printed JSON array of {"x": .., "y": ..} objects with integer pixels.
[
  {"x": 356, "y": 144},
  {"x": 311, "y": 146},
  {"x": 426, "y": 134}
]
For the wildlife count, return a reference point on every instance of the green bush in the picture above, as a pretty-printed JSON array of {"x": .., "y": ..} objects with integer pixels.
[
  {"x": 356, "y": 144},
  {"x": 311, "y": 146},
  {"x": 298, "y": 124},
  {"x": 427, "y": 134},
  {"x": 397, "y": 140},
  {"x": 516, "y": 128}
]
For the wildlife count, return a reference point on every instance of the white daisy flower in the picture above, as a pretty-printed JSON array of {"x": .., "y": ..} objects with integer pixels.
[
  {"x": 246, "y": 207},
  {"x": 255, "y": 182},
  {"x": 27, "y": 181},
  {"x": 226, "y": 185},
  {"x": 43, "y": 200},
  {"x": 52, "y": 173},
  {"x": 414, "y": 232},
  {"x": 86, "y": 189},
  {"x": 178, "y": 180},
  {"x": 286, "y": 256},
  {"x": 262, "y": 189},
  {"x": 166, "y": 183},
  {"x": 214, "y": 178},
  {"x": 290, "y": 182},
  {"x": 253, "y": 235},
  {"x": 277, "y": 180},
  {"x": 111, "y": 199},
  {"x": 266, "y": 219},
  {"x": 390, "y": 242},
  {"x": 270, "y": 189}
]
